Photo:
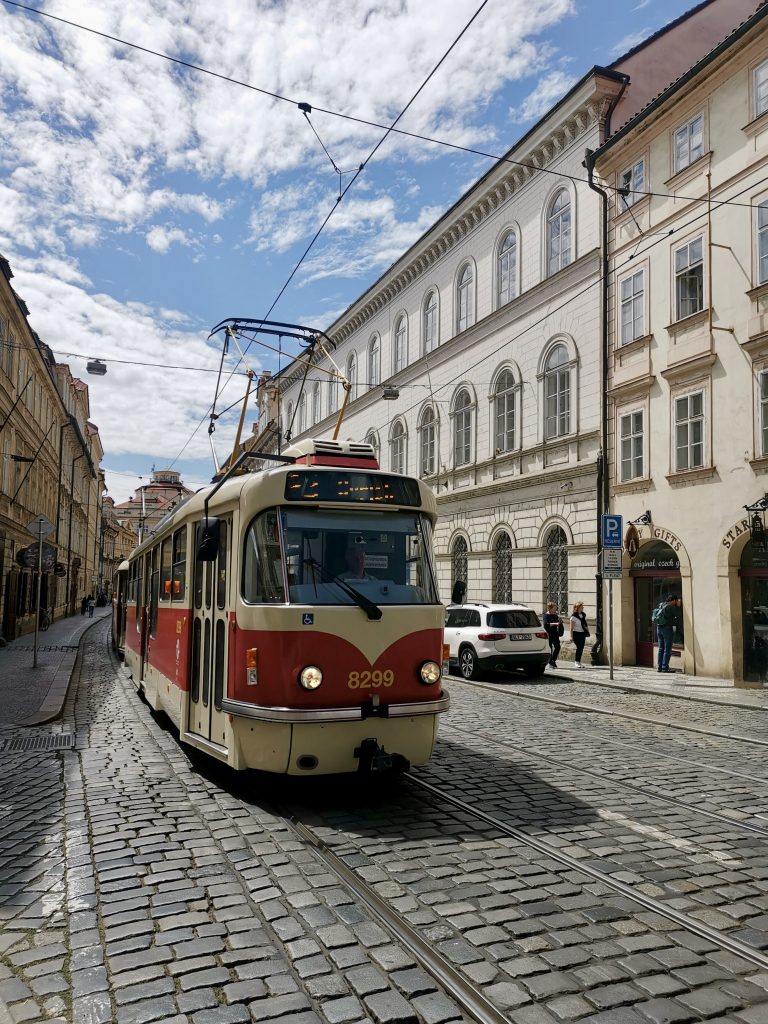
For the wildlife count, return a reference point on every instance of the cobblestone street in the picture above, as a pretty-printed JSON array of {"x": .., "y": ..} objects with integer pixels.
[{"x": 620, "y": 874}]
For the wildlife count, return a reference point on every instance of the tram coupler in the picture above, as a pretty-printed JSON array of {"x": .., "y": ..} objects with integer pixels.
[{"x": 375, "y": 759}]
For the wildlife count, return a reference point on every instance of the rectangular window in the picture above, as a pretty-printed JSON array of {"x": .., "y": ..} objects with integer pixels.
[
  {"x": 179, "y": 588},
  {"x": 764, "y": 413},
  {"x": 689, "y": 279},
  {"x": 632, "y": 184},
  {"x": 689, "y": 431},
  {"x": 689, "y": 142},
  {"x": 165, "y": 571},
  {"x": 762, "y": 242},
  {"x": 631, "y": 438},
  {"x": 760, "y": 86},
  {"x": 154, "y": 589},
  {"x": 633, "y": 307}
]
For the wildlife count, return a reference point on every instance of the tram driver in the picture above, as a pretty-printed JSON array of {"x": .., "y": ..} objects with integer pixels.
[{"x": 354, "y": 557}]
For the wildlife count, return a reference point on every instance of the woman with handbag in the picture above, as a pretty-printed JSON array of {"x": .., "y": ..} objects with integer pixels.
[
  {"x": 555, "y": 629},
  {"x": 579, "y": 630}
]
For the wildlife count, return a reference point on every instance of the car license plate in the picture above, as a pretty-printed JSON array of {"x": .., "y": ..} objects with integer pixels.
[{"x": 520, "y": 636}]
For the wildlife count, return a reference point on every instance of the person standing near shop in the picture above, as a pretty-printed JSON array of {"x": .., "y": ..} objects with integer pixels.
[
  {"x": 579, "y": 630},
  {"x": 555, "y": 629},
  {"x": 666, "y": 618}
]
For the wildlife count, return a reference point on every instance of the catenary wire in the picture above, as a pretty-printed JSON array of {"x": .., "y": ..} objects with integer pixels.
[
  {"x": 470, "y": 150},
  {"x": 114, "y": 359}
]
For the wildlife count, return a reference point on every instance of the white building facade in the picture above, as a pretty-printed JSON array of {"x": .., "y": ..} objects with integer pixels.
[
  {"x": 688, "y": 358},
  {"x": 487, "y": 333}
]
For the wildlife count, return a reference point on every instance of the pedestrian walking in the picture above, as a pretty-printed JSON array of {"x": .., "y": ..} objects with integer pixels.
[
  {"x": 84, "y": 604},
  {"x": 555, "y": 629},
  {"x": 91, "y": 606},
  {"x": 579, "y": 630},
  {"x": 665, "y": 617}
]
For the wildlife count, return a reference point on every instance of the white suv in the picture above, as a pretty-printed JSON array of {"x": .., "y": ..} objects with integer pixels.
[{"x": 495, "y": 636}]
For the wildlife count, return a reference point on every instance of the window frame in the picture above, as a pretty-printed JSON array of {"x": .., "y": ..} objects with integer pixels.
[
  {"x": 510, "y": 395},
  {"x": 633, "y": 298},
  {"x": 627, "y": 179},
  {"x": 374, "y": 361},
  {"x": 565, "y": 408},
  {"x": 465, "y": 297},
  {"x": 317, "y": 404},
  {"x": 677, "y": 277},
  {"x": 632, "y": 437},
  {"x": 689, "y": 158},
  {"x": 761, "y": 233},
  {"x": 430, "y": 309},
  {"x": 510, "y": 256},
  {"x": 762, "y": 412},
  {"x": 564, "y": 215},
  {"x": 463, "y": 422},
  {"x": 400, "y": 344},
  {"x": 428, "y": 422},
  {"x": 686, "y": 394},
  {"x": 398, "y": 447},
  {"x": 756, "y": 111},
  {"x": 350, "y": 369}
]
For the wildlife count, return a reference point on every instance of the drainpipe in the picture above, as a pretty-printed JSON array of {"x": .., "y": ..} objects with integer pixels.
[{"x": 602, "y": 458}]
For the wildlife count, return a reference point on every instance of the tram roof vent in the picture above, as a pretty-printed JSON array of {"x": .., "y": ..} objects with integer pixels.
[{"x": 320, "y": 451}]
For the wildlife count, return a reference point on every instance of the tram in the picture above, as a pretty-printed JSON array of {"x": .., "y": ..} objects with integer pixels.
[{"x": 288, "y": 619}]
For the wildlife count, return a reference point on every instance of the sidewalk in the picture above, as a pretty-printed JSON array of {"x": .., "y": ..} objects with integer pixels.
[
  {"x": 675, "y": 684},
  {"x": 31, "y": 696}
]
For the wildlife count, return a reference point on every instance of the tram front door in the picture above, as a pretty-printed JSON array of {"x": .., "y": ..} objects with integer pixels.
[{"x": 210, "y": 638}]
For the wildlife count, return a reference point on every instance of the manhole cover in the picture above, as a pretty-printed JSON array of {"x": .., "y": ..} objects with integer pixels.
[{"x": 61, "y": 741}]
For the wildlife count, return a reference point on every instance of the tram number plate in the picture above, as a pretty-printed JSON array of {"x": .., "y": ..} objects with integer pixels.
[
  {"x": 520, "y": 636},
  {"x": 370, "y": 680}
]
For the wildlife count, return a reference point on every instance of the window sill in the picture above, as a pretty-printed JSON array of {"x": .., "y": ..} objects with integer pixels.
[
  {"x": 686, "y": 174},
  {"x": 642, "y": 483},
  {"x": 686, "y": 476},
  {"x": 689, "y": 321},
  {"x": 636, "y": 345},
  {"x": 760, "y": 291},
  {"x": 760, "y": 464},
  {"x": 756, "y": 125},
  {"x": 624, "y": 214}
]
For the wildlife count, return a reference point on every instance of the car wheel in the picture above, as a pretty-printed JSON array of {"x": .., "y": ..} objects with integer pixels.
[
  {"x": 468, "y": 663},
  {"x": 534, "y": 671}
]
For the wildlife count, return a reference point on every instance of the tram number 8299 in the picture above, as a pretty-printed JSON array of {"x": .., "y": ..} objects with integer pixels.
[{"x": 370, "y": 680}]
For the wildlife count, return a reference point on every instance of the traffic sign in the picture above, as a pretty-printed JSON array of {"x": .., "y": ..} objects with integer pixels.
[
  {"x": 40, "y": 526},
  {"x": 612, "y": 529},
  {"x": 612, "y": 563}
]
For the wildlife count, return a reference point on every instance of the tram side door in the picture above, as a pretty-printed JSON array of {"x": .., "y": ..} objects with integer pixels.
[
  {"x": 142, "y": 609},
  {"x": 210, "y": 641}
]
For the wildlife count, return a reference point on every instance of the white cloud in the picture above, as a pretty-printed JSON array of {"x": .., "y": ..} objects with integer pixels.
[
  {"x": 549, "y": 90},
  {"x": 162, "y": 238},
  {"x": 629, "y": 42}
]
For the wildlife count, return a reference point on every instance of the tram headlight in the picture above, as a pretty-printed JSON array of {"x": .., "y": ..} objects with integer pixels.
[
  {"x": 430, "y": 673},
  {"x": 310, "y": 677}
]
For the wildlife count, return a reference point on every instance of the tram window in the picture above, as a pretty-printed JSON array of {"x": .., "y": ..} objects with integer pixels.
[
  {"x": 262, "y": 561},
  {"x": 218, "y": 665},
  {"x": 154, "y": 591},
  {"x": 179, "y": 583},
  {"x": 165, "y": 570},
  {"x": 195, "y": 692},
  {"x": 139, "y": 592},
  {"x": 198, "y": 568},
  {"x": 221, "y": 567}
]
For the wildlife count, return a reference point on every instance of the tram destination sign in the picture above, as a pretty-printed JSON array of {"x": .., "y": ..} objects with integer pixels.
[{"x": 349, "y": 486}]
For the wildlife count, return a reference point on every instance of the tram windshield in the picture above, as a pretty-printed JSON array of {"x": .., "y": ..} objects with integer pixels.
[{"x": 339, "y": 558}]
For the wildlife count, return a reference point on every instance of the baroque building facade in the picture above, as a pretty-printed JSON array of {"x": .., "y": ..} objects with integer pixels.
[
  {"x": 688, "y": 356},
  {"x": 50, "y": 466}
]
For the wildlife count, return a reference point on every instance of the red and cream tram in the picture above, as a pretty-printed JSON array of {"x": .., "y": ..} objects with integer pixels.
[{"x": 288, "y": 619}]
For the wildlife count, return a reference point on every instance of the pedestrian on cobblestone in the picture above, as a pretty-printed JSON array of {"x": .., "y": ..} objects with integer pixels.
[
  {"x": 555, "y": 629},
  {"x": 84, "y": 604},
  {"x": 91, "y": 606},
  {"x": 666, "y": 618},
  {"x": 579, "y": 630}
]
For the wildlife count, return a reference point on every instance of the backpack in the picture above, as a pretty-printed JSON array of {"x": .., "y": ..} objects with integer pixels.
[{"x": 659, "y": 615}]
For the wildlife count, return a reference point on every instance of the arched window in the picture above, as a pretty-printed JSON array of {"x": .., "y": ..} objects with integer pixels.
[
  {"x": 462, "y": 429},
  {"x": 465, "y": 299},
  {"x": 374, "y": 362},
  {"x": 352, "y": 375},
  {"x": 427, "y": 442},
  {"x": 333, "y": 395},
  {"x": 372, "y": 438},
  {"x": 288, "y": 420},
  {"x": 397, "y": 447},
  {"x": 556, "y": 569},
  {"x": 459, "y": 567},
  {"x": 505, "y": 412},
  {"x": 400, "y": 345},
  {"x": 502, "y": 568},
  {"x": 559, "y": 232},
  {"x": 431, "y": 335},
  {"x": 302, "y": 424},
  {"x": 316, "y": 410},
  {"x": 506, "y": 269},
  {"x": 557, "y": 393}
]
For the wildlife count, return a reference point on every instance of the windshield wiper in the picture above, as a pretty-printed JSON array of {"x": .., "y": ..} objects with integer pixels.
[{"x": 371, "y": 610}]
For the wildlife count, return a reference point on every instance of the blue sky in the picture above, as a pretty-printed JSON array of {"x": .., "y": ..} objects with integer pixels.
[{"x": 141, "y": 203}]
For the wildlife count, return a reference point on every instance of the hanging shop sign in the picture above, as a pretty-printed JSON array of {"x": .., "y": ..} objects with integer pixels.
[
  {"x": 28, "y": 557},
  {"x": 632, "y": 540},
  {"x": 658, "y": 556}
]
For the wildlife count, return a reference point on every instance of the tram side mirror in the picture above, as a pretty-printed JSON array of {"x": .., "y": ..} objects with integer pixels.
[
  {"x": 208, "y": 539},
  {"x": 459, "y": 592}
]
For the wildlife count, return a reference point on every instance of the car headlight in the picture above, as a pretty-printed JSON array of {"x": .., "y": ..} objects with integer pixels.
[
  {"x": 310, "y": 677},
  {"x": 430, "y": 673}
]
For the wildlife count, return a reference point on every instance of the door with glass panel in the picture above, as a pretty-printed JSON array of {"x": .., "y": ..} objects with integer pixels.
[{"x": 210, "y": 641}]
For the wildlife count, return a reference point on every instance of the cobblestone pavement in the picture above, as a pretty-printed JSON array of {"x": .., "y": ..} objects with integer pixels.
[{"x": 138, "y": 886}]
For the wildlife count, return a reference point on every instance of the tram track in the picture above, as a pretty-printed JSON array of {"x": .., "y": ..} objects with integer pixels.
[
  {"x": 611, "y": 781},
  {"x": 612, "y": 712}
]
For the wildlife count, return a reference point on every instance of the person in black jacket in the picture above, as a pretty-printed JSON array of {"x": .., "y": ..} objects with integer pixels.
[{"x": 555, "y": 629}]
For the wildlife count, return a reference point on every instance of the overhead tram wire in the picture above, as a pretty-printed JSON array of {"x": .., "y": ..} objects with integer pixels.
[
  {"x": 125, "y": 362},
  {"x": 346, "y": 189},
  {"x": 303, "y": 106}
]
